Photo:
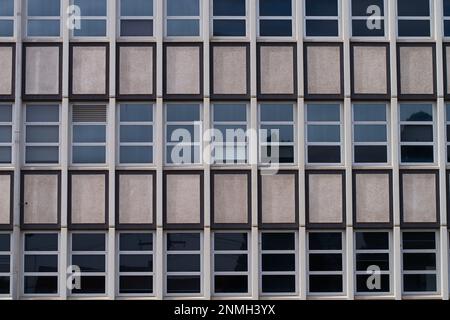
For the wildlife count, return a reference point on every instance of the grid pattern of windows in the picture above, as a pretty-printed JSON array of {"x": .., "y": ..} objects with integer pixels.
[
  {"x": 229, "y": 18},
  {"x": 6, "y": 133},
  {"x": 136, "y": 18},
  {"x": 88, "y": 252},
  {"x": 136, "y": 264},
  {"x": 323, "y": 133},
  {"x": 6, "y": 18},
  {"x": 325, "y": 263},
  {"x": 182, "y": 18},
  {"x": 414, "y": 18},
  {"x": 40, "y": 264},
  {"x": 278, "y": 263},
  {"x": 419, "y": 262},
  {"x": 93, "y": 18},
  {"x": 5, "y": 264},
  {"x": 43, "y": 18},
  {"x": 322, "y": 18},
  {"x": 368, "y": 18},
  {"x": 231, "y": 263},
  {"x": 183, "y": 261},
  {"x": 417, "y": 133},
  {"x": 136, "y": 133},
  {"x": 275, "y": 18}
]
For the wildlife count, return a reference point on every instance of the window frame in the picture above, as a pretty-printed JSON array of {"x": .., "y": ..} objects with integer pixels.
[
  {"x": 384, "y": 18},
  {"x": 341, "y": 143},
  {"x": 332, "y": 18},
  {"x": 119, "y": 273},
  {"x": 364, "y": 123},
  {"x": 389, "y": 272},
  {"x": 430, "y": 18},
  {"x": 121, "y": 18},
  {"x": 120, "y": 144},
  {"x": 436, "y": 272},
  {"x": 10, "y": 273},
  {"x": 74, "y": 37},
  {"x": 44, "y": 274},
  {"x": 292, "y": 18},
  {"x": 420, "y": 123},
  {"x": 187, "y": 38},
  {"x": 166, "y": 273},
  {"x": 212, "y": 18},
  {"x": 27, "y": 18},
  {"x": 295, "y": 273},
  {"x": 14, "y": 20},
  {"x": 11, "y": 124}
]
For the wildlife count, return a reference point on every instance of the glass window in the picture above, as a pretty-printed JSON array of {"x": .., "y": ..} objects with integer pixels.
[
  {"x": 229, "y": 18},
  {"x": 7, "y": 18},
  {"x": 40, "y": 264},
  {"x": 5, "y": 264},
  {"x": 183, "y": 18},
  {"x": 446, "y": 13},
  {"x": 276, "y": 133},
  {"x": 93, "y": 19},
  {"x": 88, "y": 252},
  {"x": 417, "y": 133},
  {"x": 325, "y": 263},
  {"x": 43, "y": 18},
  {"x": 370, "y": 133},
  {"x": 275, "y": 18},
  {"x": 447, "y": 131},
  {"x": 231, "y": 263},
  {"x": 323, "y": 133},
  {"x": 372, "y": 262},
  {"x": 136, "y": 18},
  {"x": 183, "y": 133},
  {"x": 88, "y": 134},
  {"x": 136, "y": 133},
  {"x": 414, "y": 18},
  {"x": 322, "y": 18},
  {"x": 183, "y": 261},
  {"x": 419, "y": 262},
  {"x": 6, "y": 133},
  {"x": 230, "y": 133},
  {"x": 136, "y": 263},
  {"x": 42, "y": 134},
  {"x": 368, "y": 18},
  {"x": 278, "y": 263}
]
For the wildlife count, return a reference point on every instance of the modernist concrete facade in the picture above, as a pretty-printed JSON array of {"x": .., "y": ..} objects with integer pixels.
[{"x": 87, "y": 120}]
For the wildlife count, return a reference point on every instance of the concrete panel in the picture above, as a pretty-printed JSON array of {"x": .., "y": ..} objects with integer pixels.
[
  {"x": 183, "y": 70},
  {"x": 5, "y": 199},
  {"x": 89, "y": 70},
  {"x": 370, "y": 70},
  {"x": 183, "y": 199},
  {"x": 6, "y": 67},
  {"x": 416, "y": 70},
  {"x": 372, "y": 198},
  {"x": 40, "y": 199},
  {"x": 278, "y": 198},
  {"x": 42, "y": 71},
  {"x": 277, "y": 70},
  {"x": 136, "y": 199},
  {"x": 230, "y": 70},
  {"x": 88, "y": 199},
  {"x": 324, "y": 70},
  {"x": 136, "y": 70},
  {"x": 325, "y": 198},
  {"x": 419, "y": 198},
  {"x": 231, "y": 198}
]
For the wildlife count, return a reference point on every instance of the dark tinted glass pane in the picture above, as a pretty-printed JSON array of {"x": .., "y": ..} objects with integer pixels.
[
  {"x": 41, "y": 155},
  {"x": 134, "y": 154},
  {"x": 92, "y": 7},
  {"x": 278, "y": 241},
  {"x": 5, "y": 113},
  {"x": 321, "y": 7},
  {"x": 136, "y": 28},
  {"x": 136, "y": 263},
  {"x": 136, "y": 112},
  {"x": 42, "y": 113},
  {"x": 369, "y": 112},
  {"x": 43, "y": 28},
  {"x": 5, "y": 154},
  {"x": 324, "y": 133},
  {"x": 416, "y": 133},
  {"x": 136, "y": 133},
  {"x": 41, "y": 242},
  {"x": 371, "y": 154},
  {"x": 88, "y": 242},
  {"x": 362, "y": 285},
  {"x": 91, "y": 285},
  {"x": 229, "y": 8},
  {"x": 229, "y": 28},
  {"x": 448, "y": 133},
  {"x": 41, "y": 263},
  {"x": 231, "y": 284},
  {"x": 6, "y": 8},
  {"x": 275, "y": 8},
  {"x": 136, "y": 242},
  {"x": 359, "y": 7},
  {"x": 4, "y": 285},
  {"x": 230, "y": 241},
  {"x": 278, "y": 262},
  {"x": 230, "y": 262},
  {"x": 183, "y": 263},
  {"x": 91, "y": 28},
  {"x": 414, "y": 28},
  {"x": 277, "y": 112},
  {"x": 278, "y": 283},
  {"x": 89, "y": 133},
  {"x": 419, "y": 240},
  {"x": 325, "y": 262},
  {"x": 448, "y": 154},
  {"x": 230, "y": 112},
  {"x": 325, "y": 283},
  {"x": 183, "y": 27},
  {"x": 6, "y": 28},
  {"x": 44, "y": 7},
  {"x": 41, "y": 285},
  {"x": 183, "y": 241},
  {"x": 446, "y": 7},
  {"x": 447, "y": 28},
  {"x": 322, "y": 28},
  {"x": 420, "y": 154},
  {"x": 370, "y": 133},
  {"x": 325, "y": 241},
  {"x": 419, "y": 282},
  {"x": 5, "y": 134},
  {"x": 89, "y": 263},
  {"x": 183, "y": 112},
  {"x": 360, "y": 29},
  {"x": 366, "y": 260},
  {"x": 183, "y": 155},
  {"x": 5, "y": 242},
  {"x": 416, "y": 112},
  {"x": 275, "y": 28},
  {"x": 372, "y": 240},
  {"x": 136, "y": 7},
  {"x": 285, "y": 154},
  {"x": 5, "y": 263},
  {"x": 419, "y": 261},
  {"x": 89, "y": 154},
  {"x": 183, "y": 7},
  {"x": 277, "y": 133},
  {"x": 323, "y": 112},
  {"x": 324, "y": 154},
  {"x": 409, "y": 8},
  {"x": 183, "y": 284},
  {"x": 136, "y": 284}
]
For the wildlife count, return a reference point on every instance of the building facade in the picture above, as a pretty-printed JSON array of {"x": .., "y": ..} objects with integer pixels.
[{"x": 338, "y": 190}]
